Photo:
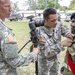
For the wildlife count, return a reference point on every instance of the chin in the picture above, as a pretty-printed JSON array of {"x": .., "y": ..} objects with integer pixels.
[
  {"x": 54, "y": 26},
  {"x": 8, "y": 16}
]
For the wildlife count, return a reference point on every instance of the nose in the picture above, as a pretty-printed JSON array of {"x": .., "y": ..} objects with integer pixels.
[
  {"x": 56, "y": 21},
  {"x": 11, "y": 9}
]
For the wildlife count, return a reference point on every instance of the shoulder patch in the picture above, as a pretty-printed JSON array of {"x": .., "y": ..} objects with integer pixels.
[
  {"x": 42, "y": 40},
  {"x": 11, "y": 39}
]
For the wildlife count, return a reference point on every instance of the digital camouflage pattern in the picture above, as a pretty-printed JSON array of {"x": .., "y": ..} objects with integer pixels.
[
  {"x": 71, "y": 49},
  {"x": 50, "y": 47},
  {"x": 9, "y": 57},
  {"x": 67, "y": 70}
]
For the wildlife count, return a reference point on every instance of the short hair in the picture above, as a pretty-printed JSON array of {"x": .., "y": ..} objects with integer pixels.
[
  {"x": 72, "y": 16},
  {"x": 48, "y": 11}
]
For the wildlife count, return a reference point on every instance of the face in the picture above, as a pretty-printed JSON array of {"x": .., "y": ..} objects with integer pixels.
[
  {"x": 5, "y": 9},
  {"x": 73, "y": 22},
  {"x": 52, "y": 21},
  {"x": 73, "y": 26}
]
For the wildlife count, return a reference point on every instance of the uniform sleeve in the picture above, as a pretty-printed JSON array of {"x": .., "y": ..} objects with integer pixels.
[
  {"x": 0, "y": 34},
  {"x": 22, "y": 60},
  {"x": 10, "y": 54},
  {"x": 64, "y": 30},
  {"x": 0, "y": 37},
  {"x": 54, "y": 49}
]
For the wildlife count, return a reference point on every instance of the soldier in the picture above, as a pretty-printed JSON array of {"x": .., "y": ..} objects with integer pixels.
[
  {"x": 69, "y": 64},
  {"x": 50, "y": 42},
  {"x": 9, "y": 57}
]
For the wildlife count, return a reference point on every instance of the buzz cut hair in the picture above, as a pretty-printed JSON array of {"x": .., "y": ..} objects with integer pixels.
[
  {"x": 72, "y": 16},
  {"x": 48, "y": 12}
]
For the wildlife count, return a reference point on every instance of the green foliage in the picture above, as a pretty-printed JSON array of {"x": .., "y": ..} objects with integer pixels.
[
  {"x": 72, "y": 2},
  {"x": 15, "y": 6},
  {"x": 32, "y": 4},
  {"x": 64, "y": 8},
  {"x": 72, "y": 5},
  {"x": 42, "y": 4}
]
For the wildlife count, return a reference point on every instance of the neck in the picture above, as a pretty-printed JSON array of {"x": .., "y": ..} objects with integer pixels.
[
  {"x": 46, "y": 26},
  {"x": 2, "y": 19}
]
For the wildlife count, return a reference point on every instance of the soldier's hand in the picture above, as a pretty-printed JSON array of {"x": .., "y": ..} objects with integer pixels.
[
  {"x": 73, "y": 35},
  {"x": 36, "y": 50},
  {"x": 70, "y": 36},
  {"x": 67, "y": 42}
]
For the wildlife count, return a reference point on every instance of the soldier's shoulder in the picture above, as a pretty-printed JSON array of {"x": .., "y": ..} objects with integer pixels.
[{"x": 0, "y": 21}]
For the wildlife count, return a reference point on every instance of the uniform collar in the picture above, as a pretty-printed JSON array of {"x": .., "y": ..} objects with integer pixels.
[{"x": 49, "y": 31}]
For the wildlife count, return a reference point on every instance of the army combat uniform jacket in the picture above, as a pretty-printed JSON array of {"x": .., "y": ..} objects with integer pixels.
[
  {"x": 69, "y": 61},
  {"x": 47, "y": 59},
  {"x": 9, "y": 57}
]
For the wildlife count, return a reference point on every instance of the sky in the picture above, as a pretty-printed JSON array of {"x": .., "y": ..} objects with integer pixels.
[{"x": 62, "y": 2}]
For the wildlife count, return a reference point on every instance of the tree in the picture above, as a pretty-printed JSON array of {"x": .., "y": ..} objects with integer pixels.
[
  {"x": 42, "y": 4},
  {"x": 72, "y": 5},
  {"x": 64, "y": 8},
  {"x": 32, "y": 4},
  {"x": 15, "y": 6}
]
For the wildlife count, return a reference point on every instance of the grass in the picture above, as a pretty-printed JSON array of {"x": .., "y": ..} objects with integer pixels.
[{"x": 21, "y": 30}]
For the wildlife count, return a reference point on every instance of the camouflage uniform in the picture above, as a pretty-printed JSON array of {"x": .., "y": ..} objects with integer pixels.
[
  {"x": 47, "y": 58},
  {"x": 66, "y": 69},
  {"x": 9, "y": 57}
]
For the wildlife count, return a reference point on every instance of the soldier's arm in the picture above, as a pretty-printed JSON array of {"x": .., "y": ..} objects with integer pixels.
[
  {"x": 15, "y": 60},
  {"x": 65, "y": 30},
  {"x": 59, "y": 46},
  {"x": 10, "y": 54},
  {"x": 55, "y": 48},
  {"x": 51, "y": 48},
  {"x": 22, "y": 60}
]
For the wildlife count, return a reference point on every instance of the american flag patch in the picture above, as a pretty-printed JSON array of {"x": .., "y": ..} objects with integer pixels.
[
  {"x": 42, "y": 40},
  {"x": 11, "y": 39}
]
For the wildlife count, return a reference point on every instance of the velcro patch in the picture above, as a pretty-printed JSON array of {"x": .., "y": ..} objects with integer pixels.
[
  {"x": 11, "y": 39},
  {"x": 42, "y": 40}
]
